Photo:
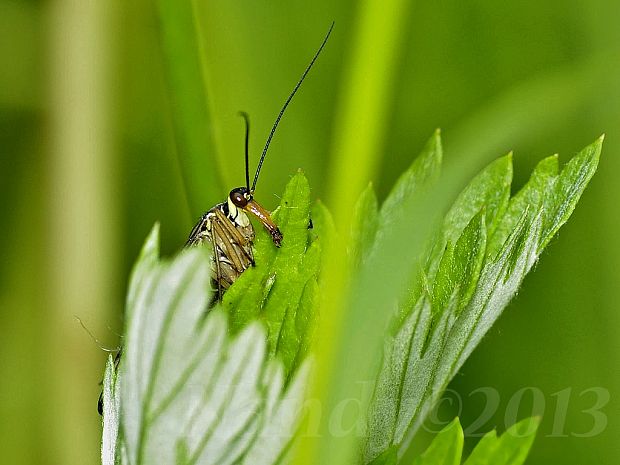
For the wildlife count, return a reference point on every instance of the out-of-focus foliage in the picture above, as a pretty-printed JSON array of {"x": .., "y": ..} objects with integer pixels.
[
  {"x": 511, "y": 448},
  {"x": 525, "y": 76}
]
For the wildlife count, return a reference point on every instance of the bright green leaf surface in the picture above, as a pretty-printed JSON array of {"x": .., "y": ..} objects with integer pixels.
[
  {"x": 562, "y": 198},
  {"x": 484, "y": 449},
  {"x": 460, "y": 265},
  {"x": 281, "y": 289},
  {"x": 489, "y": 190}
]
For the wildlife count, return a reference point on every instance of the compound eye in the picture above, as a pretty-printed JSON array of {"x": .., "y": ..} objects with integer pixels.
[{"x": 238, "y": 199}]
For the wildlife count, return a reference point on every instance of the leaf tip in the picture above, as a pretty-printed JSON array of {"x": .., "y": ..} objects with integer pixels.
[
  {"x": 526, "y": 427},
  {"x": 598, "y": 146},
  {"x": 369, "y": 191},
  {"x": 151, "y": 245},
  {"x": 436, "y": 139},
  {"x": 300, "y": 176}
]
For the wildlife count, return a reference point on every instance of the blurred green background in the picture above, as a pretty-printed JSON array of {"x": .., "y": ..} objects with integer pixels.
[{"x": 89, "y": 164}]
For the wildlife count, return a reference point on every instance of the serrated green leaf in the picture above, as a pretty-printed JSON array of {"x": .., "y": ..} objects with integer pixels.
[
  {"x": 273, "y": 290},
  {"x": 530, "y": 198},
  {"x": 247, "y": 297},
  {"x": 488, "y": 191},
  {"x": 430, "y": 346},
  {"x": 446, "y": 448},
  {"x": 511, "y": 448},
  {"x": 300, "y": 310},
  {"x": 426, "y": 354},
  {"x": 369, "y": 302},
  {"x": 189, "y": 393}
]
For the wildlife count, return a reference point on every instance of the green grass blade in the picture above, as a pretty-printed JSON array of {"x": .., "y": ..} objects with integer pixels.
[{"x": 193, "y": 127}]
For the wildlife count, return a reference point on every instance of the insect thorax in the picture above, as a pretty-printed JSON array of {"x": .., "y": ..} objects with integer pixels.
[{"x": 228, "y": 229}]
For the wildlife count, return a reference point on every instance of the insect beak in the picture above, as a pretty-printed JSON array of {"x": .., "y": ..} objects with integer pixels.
[{"x": 264, "y": 217}]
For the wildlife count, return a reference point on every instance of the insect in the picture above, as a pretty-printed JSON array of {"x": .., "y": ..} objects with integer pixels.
[{"x": 227, "y": 225}]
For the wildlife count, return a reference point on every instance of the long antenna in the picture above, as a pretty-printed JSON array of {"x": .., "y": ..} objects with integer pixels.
[
  {"x": 288, "y": 100},
  {"x": 246, "y": 117}
]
